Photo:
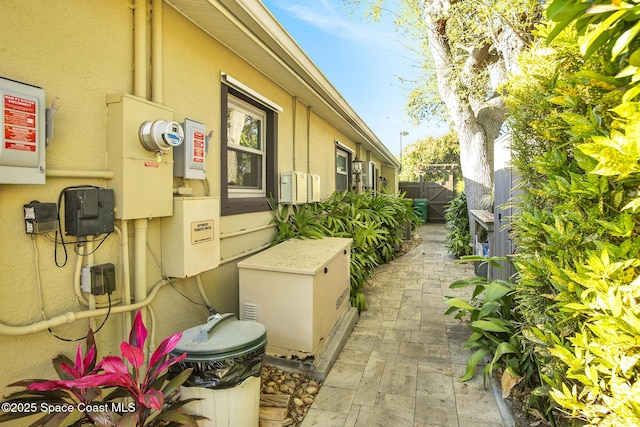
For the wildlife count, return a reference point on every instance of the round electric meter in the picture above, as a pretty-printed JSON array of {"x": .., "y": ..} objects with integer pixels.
[{"x": 161, "y": 135}]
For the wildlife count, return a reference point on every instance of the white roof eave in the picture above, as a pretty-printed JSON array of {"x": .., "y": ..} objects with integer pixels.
[{"x": 249, "y": 29}]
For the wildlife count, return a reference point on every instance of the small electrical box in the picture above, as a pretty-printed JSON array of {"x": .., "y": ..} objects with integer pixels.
[
  {"x": 88, "y": 211},
  {"x": 191, "y": 237},
  {"x": 189, "y": 157},
  {"x": 98, "y": 279},
  {"x": 293, "y": 187},
  {"x": 313, "y": 188},
  {"x": 40, "y": 217}
]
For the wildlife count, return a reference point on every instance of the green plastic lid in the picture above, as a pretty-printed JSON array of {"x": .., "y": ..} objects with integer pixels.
[{"x": 222, "y": 337}]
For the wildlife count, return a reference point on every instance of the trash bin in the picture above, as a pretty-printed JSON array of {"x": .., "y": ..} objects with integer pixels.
[
  {"x": 226, "y": 355},
  {"x": 421, "y": 206}
]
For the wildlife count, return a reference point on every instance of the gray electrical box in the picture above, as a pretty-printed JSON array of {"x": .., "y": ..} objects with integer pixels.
[
  {"x": 40, "y": 217},
  {"x": 189, "y": 157},
  {"x": 88, "y": 211}
]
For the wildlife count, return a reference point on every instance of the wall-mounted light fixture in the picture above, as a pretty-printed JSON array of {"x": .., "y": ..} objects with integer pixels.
[{"x": 357, "y": 170}]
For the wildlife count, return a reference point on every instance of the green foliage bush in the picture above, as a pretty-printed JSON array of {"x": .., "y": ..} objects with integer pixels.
[
  {"x": 376, "y": 222},
  {"x": 575, "y": 149},
  {"x": 458, "y": 237},
  {"x": 430, "y": 150}
]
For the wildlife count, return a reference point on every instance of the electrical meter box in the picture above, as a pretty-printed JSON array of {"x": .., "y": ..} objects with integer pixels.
[
  {"x": 143, "y": 179},
  {"x": 191, "y": 237},
  {"x": 189, "y": 157},
  {"x": 88, "y": 211},
  {"x": 293, "y": 187},
  {"x": 23, "y": 134}
]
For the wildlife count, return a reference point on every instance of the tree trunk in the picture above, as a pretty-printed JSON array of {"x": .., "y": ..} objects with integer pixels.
[{"x": 476, "y": 120}]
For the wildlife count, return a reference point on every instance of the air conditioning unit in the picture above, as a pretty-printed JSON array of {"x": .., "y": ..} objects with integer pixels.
[
  {"x": 293, "y": 188},
  {"x": 313, "y": 188},
  {"x": 367, "y": 175}
]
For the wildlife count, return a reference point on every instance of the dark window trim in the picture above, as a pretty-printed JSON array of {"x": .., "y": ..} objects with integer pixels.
[
  {"x": 233, "y": 206},
  {"x": 349, "y": 166}
]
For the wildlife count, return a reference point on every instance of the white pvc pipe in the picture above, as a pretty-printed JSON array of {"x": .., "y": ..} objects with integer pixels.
[
  {"x": 71, "y": 317},
  {"x": 89, "y": 260},
  {"x": 140, "y": 259},
  {"x": 156, "y": 52},
  {"x": 67, "y": 173},
  {"x": 203, "y": 295},
  {"x": 140, "y": 48},
  {"x": 126, "y": 278}
]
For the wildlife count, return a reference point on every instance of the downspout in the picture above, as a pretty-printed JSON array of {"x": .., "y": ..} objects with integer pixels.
[
  {"x": 295, "y": 111},
  {"x": 309, "y": 139}
]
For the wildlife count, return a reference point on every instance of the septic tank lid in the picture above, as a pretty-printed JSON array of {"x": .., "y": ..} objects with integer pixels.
[{"x": 222, "y": 336}]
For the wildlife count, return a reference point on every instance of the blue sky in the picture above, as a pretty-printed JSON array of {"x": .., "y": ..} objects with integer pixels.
[{"x": 365, "y": 62}]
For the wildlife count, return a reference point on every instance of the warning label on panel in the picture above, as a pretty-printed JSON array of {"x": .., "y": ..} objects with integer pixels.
[
  {"x": 201, "y": 231},
  {"x": 19, "y": 118},
  {"x": 19, "y": 104}
]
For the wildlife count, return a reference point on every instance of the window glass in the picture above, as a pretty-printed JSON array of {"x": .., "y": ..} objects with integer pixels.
[
  {"x": 342, "y": 170},
  {"x": 245, "y": 149}
]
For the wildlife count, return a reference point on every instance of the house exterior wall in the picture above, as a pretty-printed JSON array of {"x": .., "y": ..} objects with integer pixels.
[{"x": 81, "y": 52}]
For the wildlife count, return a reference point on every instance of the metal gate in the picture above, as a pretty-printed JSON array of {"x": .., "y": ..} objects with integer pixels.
[{"x": 438, "y": 196}]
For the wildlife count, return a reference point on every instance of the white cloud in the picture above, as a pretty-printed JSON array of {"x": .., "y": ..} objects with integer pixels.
[{"x": 323, "y": 14}]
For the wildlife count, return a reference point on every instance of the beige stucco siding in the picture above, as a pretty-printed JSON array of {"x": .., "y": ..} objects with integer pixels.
[{"x": 81, "y": 51}]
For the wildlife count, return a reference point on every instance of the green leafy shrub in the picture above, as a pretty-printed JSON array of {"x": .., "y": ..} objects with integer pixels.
[
  {"x": 575, "y": 146},
  {"x": 458, "y": 236},
  {"x": 376, "y": 222}
]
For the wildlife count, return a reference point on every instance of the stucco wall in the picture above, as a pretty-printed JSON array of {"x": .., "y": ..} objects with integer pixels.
[{"x": 82, "y": 51}]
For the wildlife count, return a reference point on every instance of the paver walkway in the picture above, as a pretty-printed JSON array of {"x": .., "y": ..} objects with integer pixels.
[{"x": 401, "y": 364}]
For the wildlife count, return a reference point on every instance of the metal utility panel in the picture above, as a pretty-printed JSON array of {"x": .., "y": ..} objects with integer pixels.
[
  {"x": 313, "y": 188},
  {"x": 298, "y": 289},
  {"x": 367, "y": 174},
  {"x": 142, "y": 183},
  {"x": 191, "y": 237},
  {"x": 22, "y": 133},
  {"x": 293, "y": 188},
  {"x": 190, "y": 156}
]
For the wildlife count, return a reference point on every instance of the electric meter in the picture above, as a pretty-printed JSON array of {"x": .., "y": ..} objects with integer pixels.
[{"x": 160, "y": 135}]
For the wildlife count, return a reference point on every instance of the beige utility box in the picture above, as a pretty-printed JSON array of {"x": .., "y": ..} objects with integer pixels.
[
  {"x": 191, "y": 237},
  {"x": 142, "y": 182},
  {"x": 298, "y": 289}
]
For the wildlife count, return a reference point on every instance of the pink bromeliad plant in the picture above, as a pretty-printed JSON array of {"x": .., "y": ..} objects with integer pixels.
[{"x": 141, "y": 394}]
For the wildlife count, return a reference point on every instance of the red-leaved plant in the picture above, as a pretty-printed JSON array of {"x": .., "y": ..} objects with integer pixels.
[{"x": 140, "y": 397}]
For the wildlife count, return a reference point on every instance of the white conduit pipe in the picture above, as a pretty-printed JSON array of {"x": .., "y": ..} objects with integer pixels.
[
  {"x": 203, "y": 295},
  {"x": 140, "y": 48},
  {"x": 71, "y": 317},
  {"x": 140, "y": 260},
  {"x": 123, "y": 232},
  {"x": 64, "y": 173},
  {"x": 89, "y": 258},
  {"x": 156, "y": 52}
]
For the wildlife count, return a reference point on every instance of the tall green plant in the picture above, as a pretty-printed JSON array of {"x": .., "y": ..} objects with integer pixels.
[
  {"x": 458, "y": 236},
  {"x": 577, "y": 223},
  {"x": 376, "y": 222}
]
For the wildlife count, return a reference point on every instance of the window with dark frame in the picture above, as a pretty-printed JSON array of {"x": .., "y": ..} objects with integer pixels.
[
  {"x": 343, "y": 169},
  {"x": 248, "y": 153}
]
